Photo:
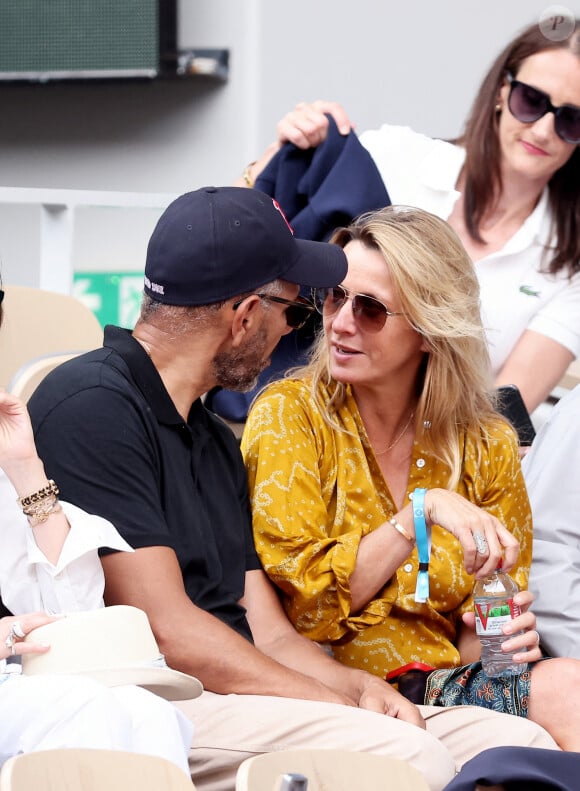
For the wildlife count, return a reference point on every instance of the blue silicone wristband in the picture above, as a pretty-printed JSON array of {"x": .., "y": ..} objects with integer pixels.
[{"x": 423, "y": 548}]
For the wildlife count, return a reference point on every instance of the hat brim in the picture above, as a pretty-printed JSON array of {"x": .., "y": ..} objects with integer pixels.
[
  {"x": 165, "y": 682},
  {"x": 318, "y": 265}
]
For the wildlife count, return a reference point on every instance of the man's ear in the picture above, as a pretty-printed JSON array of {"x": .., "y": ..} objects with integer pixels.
[{"x": 245, "y": 319}]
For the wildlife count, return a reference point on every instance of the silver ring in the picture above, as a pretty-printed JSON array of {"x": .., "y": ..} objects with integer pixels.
[
  {"x": 17, "y": 630},
  {"x": 539, "y": 638},
  {"x": 9, "y": 642},
  {"x": 480, "y": 543}
]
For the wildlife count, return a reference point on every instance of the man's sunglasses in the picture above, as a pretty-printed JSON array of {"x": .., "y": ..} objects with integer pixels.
[
  {"x": 369, "y": 313},
  {"x": 297, "y": 312},
  {"x": 528, "y": 104}
]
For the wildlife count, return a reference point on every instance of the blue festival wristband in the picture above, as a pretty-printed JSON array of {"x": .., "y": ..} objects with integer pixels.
[{"x": 423, "y": 538}]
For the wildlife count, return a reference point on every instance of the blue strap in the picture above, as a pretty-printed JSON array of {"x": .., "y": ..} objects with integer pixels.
[{"x": 423, "y": 538}]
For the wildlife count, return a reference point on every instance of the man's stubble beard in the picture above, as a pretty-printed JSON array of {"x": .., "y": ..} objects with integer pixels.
[{"x": 239, "y": 369}]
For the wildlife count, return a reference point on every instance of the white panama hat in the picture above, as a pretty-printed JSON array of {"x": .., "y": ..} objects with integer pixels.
[{"x": 114, "y": 645}]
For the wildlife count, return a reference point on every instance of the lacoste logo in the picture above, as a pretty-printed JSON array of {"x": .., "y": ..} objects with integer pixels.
[{"x": 529, "y": 291}]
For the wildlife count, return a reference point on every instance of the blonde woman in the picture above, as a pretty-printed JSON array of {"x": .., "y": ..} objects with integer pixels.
[{"x": 396, "y": 403}]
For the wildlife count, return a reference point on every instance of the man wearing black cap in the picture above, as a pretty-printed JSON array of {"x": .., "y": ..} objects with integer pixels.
[{"x": 124, "y": 433}]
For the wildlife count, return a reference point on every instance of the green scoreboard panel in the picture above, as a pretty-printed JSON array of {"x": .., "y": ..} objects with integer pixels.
[{"x": 43, "y": 40}]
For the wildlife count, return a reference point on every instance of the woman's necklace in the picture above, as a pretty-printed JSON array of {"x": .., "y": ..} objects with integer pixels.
[{"x": 398, "y": 438}]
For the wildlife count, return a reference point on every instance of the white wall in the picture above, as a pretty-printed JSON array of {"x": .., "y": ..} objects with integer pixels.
[{"x": 414, "y": 62}]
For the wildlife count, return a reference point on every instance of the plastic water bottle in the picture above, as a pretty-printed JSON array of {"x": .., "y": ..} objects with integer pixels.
[{"x": 494, "y": 607}]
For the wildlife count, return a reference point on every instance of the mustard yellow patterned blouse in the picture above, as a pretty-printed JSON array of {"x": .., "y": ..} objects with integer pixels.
[{"x": 316, "y": 492}]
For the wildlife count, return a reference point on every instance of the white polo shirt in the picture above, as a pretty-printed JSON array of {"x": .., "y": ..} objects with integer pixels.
[
  {"x": 551, "y": 473},
  {"x": 515, "y": 294}
]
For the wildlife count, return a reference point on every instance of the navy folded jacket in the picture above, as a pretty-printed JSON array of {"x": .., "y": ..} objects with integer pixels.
[
  {"x": 520, "y": 769},
  {"x": 319, "y": 189},
  {"x": 325, "y": 187}
]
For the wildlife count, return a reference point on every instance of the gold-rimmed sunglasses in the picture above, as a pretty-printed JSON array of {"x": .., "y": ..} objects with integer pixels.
[{"x": 369, "y": 312}]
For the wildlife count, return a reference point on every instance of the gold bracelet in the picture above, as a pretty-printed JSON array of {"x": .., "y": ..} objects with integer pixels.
[
  {"x": 247, "y": 176},
  {"x": 41, "y": 515},
  {"x": 41, "y": 506},
  {"x": 400, "y": 529},
  {"x": 48, "y": 491}
]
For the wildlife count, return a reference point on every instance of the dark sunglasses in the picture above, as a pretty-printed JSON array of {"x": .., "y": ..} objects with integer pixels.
[
  {"x": 297, "y": 312},
  {"x": 528, "y": 104},
  {"x": 370, "y": 314}
]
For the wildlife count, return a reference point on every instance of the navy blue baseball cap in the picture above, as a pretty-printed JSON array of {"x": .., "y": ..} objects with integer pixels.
[{"x": 217, "y": 242}]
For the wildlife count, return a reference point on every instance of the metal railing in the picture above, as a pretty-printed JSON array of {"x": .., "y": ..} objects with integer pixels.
[{"x": 57, "y": 219}]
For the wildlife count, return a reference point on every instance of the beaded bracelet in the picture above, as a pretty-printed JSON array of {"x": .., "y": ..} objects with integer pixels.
[{"x": 48, "y": 491}]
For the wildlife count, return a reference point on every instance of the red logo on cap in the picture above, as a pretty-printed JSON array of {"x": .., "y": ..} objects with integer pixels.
[{"x": 279, "y": 208}]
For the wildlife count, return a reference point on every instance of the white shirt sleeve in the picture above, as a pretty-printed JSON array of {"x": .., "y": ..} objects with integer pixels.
[
  {"x": 551, "y": 474},
  {"x": 29, "y": 582},
  {"x": 416, "y": 170},
  {"x": 559, "y": 318}
]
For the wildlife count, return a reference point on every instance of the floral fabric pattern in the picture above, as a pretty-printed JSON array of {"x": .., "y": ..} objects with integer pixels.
[{"x": 470, "y": 686}]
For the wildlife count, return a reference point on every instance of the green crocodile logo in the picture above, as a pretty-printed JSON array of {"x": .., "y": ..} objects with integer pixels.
[{"x": 529, "y": 291}]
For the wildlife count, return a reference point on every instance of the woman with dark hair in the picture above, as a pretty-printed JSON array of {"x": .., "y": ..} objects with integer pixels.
[{"x": 509, "y": 188}]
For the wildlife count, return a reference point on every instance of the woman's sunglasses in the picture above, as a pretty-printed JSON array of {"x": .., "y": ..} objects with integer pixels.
[
  {"x": 528, "y": 104},
  {"x": 297, "y": 312},
  {"x": 369, "y": 313}
]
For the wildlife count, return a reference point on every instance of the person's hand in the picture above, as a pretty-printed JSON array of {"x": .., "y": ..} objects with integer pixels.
[
  {"x": 16, "y": 437},
  {"x": 525, "y": 623},
  {"x": 307, "y": 125},
  {"x": 14, "y": 629},
  {"x": 470, "y": 524},
  {"x": 18, "y": 456},
  {"x": 378, "y": 695}
]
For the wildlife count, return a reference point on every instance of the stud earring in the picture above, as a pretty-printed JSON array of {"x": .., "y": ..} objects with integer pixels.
[{"x": 498, "y": 108}]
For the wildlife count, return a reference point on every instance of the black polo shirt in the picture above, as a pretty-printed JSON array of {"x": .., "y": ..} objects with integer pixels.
[{"x": 110, "y": 436}]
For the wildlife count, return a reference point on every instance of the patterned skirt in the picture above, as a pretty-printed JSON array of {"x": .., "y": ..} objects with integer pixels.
[{"x": 470, "y": 686}]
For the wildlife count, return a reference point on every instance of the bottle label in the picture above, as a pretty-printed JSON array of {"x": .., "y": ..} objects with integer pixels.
[{"x": 491, "y": 616}]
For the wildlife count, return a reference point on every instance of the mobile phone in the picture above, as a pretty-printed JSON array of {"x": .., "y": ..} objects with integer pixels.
[{"x": 511, "y": 405}]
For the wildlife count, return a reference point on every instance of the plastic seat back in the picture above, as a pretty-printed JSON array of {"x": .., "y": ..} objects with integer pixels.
[
  {"x": 339, "y": 770},
  {"x": 38, "y": 322},
  {"x": 91, "y": 770}
]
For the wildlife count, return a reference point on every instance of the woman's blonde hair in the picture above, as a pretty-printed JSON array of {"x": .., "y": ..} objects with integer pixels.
[{"x": 438, "y": 290}]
